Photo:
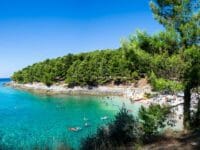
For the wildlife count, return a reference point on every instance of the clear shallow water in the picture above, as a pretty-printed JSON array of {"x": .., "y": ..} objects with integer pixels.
[{"x": 28, "y": 120}]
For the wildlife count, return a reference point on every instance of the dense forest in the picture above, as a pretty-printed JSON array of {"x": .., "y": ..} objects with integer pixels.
[{"x": 141, "y": 55}]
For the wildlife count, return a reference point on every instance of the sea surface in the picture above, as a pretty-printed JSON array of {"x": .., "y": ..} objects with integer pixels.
[{"x": 29, "y": 120}]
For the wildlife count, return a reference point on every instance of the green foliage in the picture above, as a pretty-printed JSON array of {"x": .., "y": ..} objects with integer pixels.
[
  {"x": 192, "y": 73},
  {"x": 181, "y": 16},
  {"x": 123, "y": 130},
  {"x": 168, "y": 67},
  {"x": 126, "y": 130},
  {"x": 160, "y": 84},
  {"x": 146, "y": 54},
  {"x": 124, "y": 65},
  {"x": 152, "y": 119},
  {"x": 94, "y": 68},
  {"x": 191, "y": 81},
  {"x": 149, "y": 95},
  {"x": 47, "y": 79},
  {"x": 99, "y": 141},
  {"x": 162, "y": 42},
  {"x": 135, "y": 59},
  {"x": 135, "y": 75},
  {"x": 139, "y": 60},
  {"x": 99, "y": 67}
]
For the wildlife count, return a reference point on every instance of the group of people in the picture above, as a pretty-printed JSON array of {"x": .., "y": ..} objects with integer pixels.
[{"x": 86, "y": 124}]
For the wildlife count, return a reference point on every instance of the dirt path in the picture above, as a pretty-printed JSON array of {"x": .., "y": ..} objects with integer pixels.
[{"x": 189, "y": 141}]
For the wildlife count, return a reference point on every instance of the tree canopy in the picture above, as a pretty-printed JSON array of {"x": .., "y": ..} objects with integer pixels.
[{"x": 181, "y": 16}]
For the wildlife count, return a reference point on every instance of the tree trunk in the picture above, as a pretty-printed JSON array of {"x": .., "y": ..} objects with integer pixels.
[
  {"x": 187, "y": 100},
  {"x": 198, "y": 112}
]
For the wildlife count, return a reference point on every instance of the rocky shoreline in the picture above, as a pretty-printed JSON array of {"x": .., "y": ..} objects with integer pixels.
[{"x": 127, "y": 91}]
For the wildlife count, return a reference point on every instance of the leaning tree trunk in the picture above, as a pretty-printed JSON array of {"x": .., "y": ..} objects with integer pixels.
[{"x": 186, "y": 109}]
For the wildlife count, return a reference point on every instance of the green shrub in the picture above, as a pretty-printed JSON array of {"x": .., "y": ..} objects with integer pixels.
[
  {"x": 99, "y": 141},
  {"x": 168, "y": 66},
  {"x": 152, "y": 120},
  {"x": 160, "y": 84},
  {"x": 135, "y": 75},
  {"x": 148, "y": 95},
  {"x": 123, "y": 130}
]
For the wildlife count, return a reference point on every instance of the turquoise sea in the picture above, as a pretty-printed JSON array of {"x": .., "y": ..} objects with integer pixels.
[{"x": 29, "y": 120}]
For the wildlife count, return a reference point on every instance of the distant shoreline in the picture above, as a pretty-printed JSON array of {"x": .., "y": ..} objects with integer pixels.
[{"x": 127, "y": 91}]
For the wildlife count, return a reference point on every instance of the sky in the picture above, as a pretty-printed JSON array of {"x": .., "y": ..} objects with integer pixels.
[{"x": 34, "y": 30}]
